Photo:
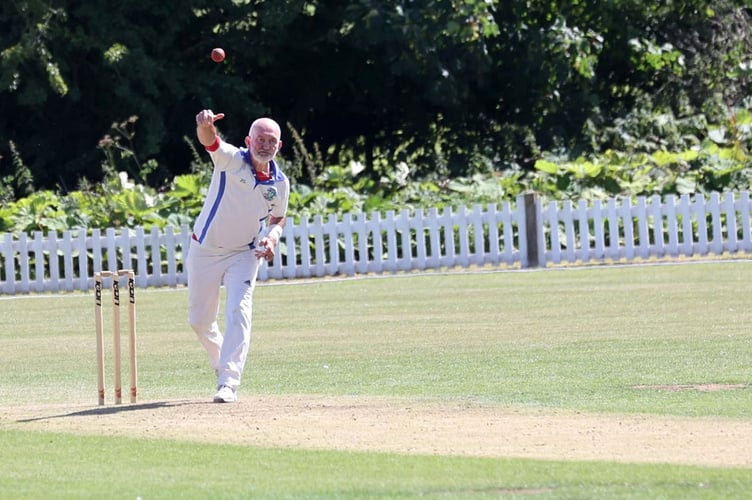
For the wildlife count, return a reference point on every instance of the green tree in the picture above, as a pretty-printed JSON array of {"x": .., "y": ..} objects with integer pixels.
[
  {"x": 71, "y": 71},
  {"x": 446, "y": 87}
]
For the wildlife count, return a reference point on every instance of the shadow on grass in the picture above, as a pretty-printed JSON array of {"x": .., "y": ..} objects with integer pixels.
[{"x": 115, "y": 409}]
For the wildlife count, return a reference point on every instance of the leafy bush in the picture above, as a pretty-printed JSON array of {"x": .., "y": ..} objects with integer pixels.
[{"x": 657, "y": 154}]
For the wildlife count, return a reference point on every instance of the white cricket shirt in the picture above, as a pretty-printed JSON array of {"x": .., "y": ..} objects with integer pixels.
[{"x": 238, "y": 204}]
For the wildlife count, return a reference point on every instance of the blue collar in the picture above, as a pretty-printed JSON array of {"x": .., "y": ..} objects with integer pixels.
[{"x": 274, "y": 172}]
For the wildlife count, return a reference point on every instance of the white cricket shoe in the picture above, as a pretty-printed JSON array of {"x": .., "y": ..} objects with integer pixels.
[{"x": 225, "y": 394}]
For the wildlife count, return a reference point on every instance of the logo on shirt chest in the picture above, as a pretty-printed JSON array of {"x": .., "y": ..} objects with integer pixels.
[
  {"x": 270, "y": 193},
  {"x": 245, "y": 178}
]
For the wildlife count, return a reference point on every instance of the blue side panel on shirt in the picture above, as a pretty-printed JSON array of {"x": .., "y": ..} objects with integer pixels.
[{"x": 215, "y": 206}]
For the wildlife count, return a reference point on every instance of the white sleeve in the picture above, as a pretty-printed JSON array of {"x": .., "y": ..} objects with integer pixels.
[{"x": 223, "y": 155}]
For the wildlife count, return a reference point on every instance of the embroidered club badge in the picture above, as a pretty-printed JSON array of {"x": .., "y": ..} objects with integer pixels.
[{"x": 270, "y": 194}]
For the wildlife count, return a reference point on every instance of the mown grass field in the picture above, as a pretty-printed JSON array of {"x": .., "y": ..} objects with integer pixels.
[{"x": 668, "y": 341}]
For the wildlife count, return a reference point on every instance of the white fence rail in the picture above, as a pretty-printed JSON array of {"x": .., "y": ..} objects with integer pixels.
[
  {"x": 528, "y": 233},
  {"x": 622, "y": 230}
]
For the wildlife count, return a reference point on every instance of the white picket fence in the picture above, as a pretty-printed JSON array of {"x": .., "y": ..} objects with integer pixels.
[
  {"x": 620, "y": 230},
  {"x": 527, "y": 233}
]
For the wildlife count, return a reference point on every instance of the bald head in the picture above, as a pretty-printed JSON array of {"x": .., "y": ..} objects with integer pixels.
[
  {"x": 263, "y": 141},
  {"x": 265, "y": 126}
]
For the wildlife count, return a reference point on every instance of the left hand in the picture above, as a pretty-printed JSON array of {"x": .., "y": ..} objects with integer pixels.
[{"x": 265, "y": 249}]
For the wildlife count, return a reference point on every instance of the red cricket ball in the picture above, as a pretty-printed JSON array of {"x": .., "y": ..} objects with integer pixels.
[{"x": 218, "y": 55}]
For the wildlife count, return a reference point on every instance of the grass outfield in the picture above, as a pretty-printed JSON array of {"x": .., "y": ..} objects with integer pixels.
[{"x": 670, "y": 341}]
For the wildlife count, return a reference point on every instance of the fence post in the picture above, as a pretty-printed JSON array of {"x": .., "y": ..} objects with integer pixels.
[{"x": 532, "y": 257}]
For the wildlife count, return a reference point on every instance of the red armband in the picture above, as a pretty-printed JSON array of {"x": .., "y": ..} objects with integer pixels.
[{"x": 214, "y": 146}]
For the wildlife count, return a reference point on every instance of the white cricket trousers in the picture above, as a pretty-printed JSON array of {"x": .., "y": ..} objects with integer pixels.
[{"x": 207, "y": 270}]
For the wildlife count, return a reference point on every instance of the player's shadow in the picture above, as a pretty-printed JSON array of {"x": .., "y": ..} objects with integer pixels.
[{"x": 114, "y": 409}]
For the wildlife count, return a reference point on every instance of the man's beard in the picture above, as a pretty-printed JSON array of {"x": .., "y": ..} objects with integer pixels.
[{"x": 263, "y": 157}]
